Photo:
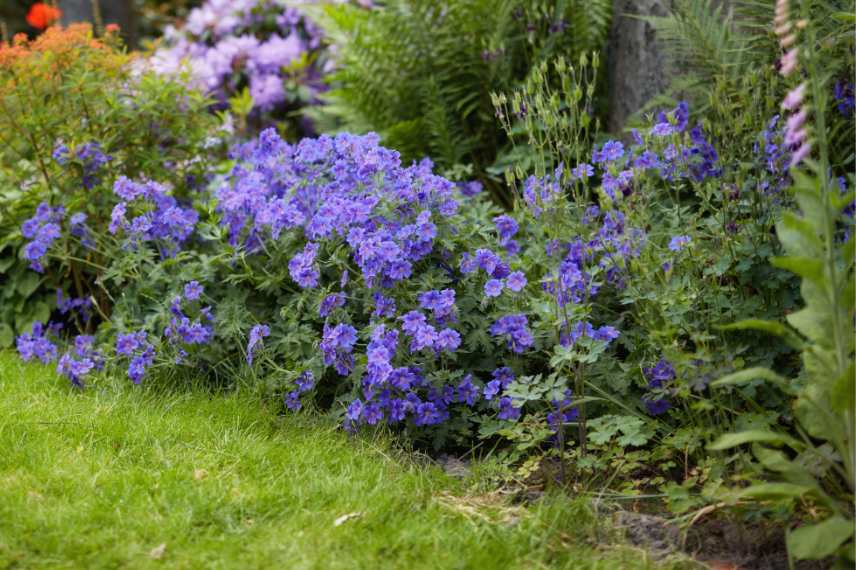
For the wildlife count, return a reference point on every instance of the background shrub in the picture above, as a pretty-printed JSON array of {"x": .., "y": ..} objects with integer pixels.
[{"x": 74, "y": 119}]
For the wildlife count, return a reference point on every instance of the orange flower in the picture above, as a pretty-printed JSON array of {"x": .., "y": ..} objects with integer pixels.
[{"x": 42, "y": 15}]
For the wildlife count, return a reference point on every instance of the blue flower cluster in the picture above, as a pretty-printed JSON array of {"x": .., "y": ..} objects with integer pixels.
[
  {"x": 163, "y": 220},
  {"x": 36, "y": 344},
  {"x": 183, "y": 331},
  {"x": 142, "y": 354},
  {"x": 515, "y": 329},
  {"x": 77, "y": 363},
  {"x": 336, "y": 188},
  {"x": 42, "y": 230}
]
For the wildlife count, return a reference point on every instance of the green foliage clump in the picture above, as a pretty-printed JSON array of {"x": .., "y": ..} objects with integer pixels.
[{"x": 62, "y": 96}]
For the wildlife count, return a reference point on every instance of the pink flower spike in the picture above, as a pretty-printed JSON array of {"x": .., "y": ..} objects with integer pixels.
[
  {"x": 800, "y": 154},
  {"x": 796, "y": 121},
  {"x": 793, "y": 138},
  {"x": 784, "y": 29},
  {"x": 788, "y": 41},
  {"x": 789, "y": 62},
  {"x": 782, "y": 10},
  {"x": 795, "y": 98}
]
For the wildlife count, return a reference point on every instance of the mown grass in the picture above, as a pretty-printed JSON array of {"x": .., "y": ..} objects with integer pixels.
[{"x": 106, "y": 477}]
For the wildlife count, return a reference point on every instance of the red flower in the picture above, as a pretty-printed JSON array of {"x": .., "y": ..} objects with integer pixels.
[{"x": 42, "y": 15}]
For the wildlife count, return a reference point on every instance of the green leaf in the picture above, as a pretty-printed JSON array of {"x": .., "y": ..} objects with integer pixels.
[
  {"x": 756, "y": 373},
  {"x": 842, "y": 393},
  {"x": 799, "y": 237},
  {"x": 771, "y": 327},
  {"x": 729, "y": 440},
  {"x": 806, "y": 267},
  {"x": 810, "y": 323},
  {"x": 817, "y": 541},
  {"x": 774, "y": 491},
  {"x": 28, "y": 284}
]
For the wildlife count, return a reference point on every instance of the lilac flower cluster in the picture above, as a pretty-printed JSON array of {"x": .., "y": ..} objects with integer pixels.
[
  {"x": 163, "y": 220},
  {"x": 42, "y": 230},
  {"x": 83, "y": 359},
  {"x": 36, "y": 344},
  {"x": 228, "y": 44},
  {"x": 658, "y": 377},
  {"x": 136, "y": 346}
]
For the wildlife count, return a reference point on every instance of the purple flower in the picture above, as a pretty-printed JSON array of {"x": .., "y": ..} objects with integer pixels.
[
  {"x": 43, "y": 229},
  {"x": 507, "y": 410},
  {"x": 372, "y": 413},
  {"x": 139, "y": 364},
  {"x": 302, "y": 269},
  {"x": 657, "y": 407},
  {"x": 355, "y": 410},
  {"x": 447, "y": 340},
  {"x": 506, "y": 226},
  {"x": 257, "y": 333},
  {"x": 292, "y": 401},
  {"x": 660, "y": 374},
  {"x": 35, "y": 344},
  {"x": 467, "y": 392},
  {"x": 563, "y": 412},
  {"x": 515, "y": 329},
  {"x": 491, "y": 389},
  {"x": 193, "y": 290},
  {"x": 844, "y": 97},
  {"x": 127, "y": 344},
  {"x": 583, "y": 170},
  {"x": 609, "y": 152},
  {"x": 516, "y": 281},
  {"x": 493, "y": 288},
  {"x": 677, "y": 243},
  {"x": 384, "y": 306},
  {"x": 306, "y": 381},
  {"x": 331, "y": 302},
  {"x": 336, "y": 346},
  {"x": 504, "y": 375},
  {"x": 442, "y": 303}
]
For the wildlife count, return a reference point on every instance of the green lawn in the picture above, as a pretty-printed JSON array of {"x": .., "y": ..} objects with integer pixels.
[{"x": 129, "y": 477}]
